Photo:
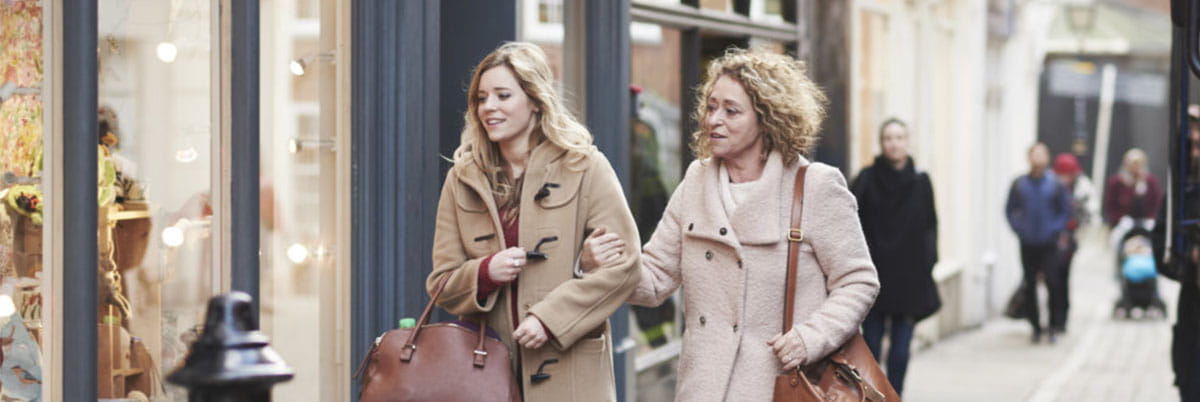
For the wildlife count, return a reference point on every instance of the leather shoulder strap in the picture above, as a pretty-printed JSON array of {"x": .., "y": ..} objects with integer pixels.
[
  {"x": 410, "y": 345},
  {"x": 795, "y": 237}
]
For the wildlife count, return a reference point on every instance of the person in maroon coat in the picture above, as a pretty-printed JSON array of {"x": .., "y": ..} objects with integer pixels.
[{"x": 1132, "y": 192}]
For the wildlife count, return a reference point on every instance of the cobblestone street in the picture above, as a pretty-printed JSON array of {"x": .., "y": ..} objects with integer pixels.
[{"x": 1099, "y": 359}]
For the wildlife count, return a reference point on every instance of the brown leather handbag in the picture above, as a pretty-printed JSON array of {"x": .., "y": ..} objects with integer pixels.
[
  {"x": 848, "y": 374},
  {"x": 437, "y": 362}
]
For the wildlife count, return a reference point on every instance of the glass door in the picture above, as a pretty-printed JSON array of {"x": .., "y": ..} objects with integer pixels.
[
  {"x": 155, "y": 267},
  {"x": 301, "y": 201}
]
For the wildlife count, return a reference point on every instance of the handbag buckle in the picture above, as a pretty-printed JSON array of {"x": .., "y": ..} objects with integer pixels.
[
  {"x": 850, "y": 374},
  {"x": 796, "y": 377},
  {"x": 847, "y": 373},
  {"x": 480, "y": 358},
  {"x": 795, "y": 235},
  {"x": 406, "y": 354},
  {"x": 873, "y": 395}
]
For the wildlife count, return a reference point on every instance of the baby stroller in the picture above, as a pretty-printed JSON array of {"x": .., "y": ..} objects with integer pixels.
[{"x": 1137, "y": 274}]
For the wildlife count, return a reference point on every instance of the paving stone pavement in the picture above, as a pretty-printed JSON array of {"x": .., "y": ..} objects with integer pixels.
[{"x": 1099, "y": 359}]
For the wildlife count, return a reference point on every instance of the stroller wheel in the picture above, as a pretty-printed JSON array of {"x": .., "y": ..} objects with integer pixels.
[
  {"x": 1160, "y": 307},
  {"x": 1120, "y": 311}
]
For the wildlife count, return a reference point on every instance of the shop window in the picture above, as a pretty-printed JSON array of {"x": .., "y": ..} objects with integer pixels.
[
  {"x": 156, "y": 270},
  {"x": 542, "y": 24},
  {"x": 718, "y": 5},
  {"x": 658, "y": 147},
  {"x": 767, "y": 10},
  {"x": 550, "y": 11},
  {"x": 300, "y": 198},
  {"x": 768, "y": 45},
  {"x": 22, "y": 327},
  {"x": 764, "y": 10}
]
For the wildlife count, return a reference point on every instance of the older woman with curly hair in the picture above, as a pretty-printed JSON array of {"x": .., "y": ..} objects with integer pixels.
[{"x": 723, "y": 237}]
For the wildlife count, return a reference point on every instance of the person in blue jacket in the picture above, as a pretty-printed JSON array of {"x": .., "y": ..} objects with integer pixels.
[{"x": 1038, "y": 208}]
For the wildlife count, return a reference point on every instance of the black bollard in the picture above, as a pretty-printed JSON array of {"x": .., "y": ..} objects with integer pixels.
[{"x": 231, "y": 361}]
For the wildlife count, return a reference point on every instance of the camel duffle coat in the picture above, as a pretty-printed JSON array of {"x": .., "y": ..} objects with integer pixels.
[
  {"x": 577, "y": 196},
  {"x": 732, "y": 267}
]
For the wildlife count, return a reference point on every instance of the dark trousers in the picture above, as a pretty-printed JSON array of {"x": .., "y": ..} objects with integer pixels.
[
  {"x": 901, "y": 329},
  {"x": 1044, "y": 260},
  {"x": 1185, "y": 348},
  {"x": 1189, "y": 388},
  {"x": 1063, "y": 277}
]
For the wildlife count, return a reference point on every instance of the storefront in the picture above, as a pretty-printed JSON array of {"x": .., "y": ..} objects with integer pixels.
[
  {"x": 214, "y": 142},
  {"x": 157, "y": 153}
]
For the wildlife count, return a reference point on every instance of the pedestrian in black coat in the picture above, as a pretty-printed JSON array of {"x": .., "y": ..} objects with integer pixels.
[
  {"x": 896, "y": 207},
  {"x": 1182, "y": 264}
]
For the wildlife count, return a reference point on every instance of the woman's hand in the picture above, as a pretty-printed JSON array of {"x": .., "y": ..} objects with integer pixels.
[
  {"x": 531, "y": 334},
  {"x": 600, "y": 248},
  {"x": 788, "y": 347},
  {"x": 506, "y": 265}
]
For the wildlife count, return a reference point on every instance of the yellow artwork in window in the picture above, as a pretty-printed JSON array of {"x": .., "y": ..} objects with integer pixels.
[{"x": 20, "y": 80}]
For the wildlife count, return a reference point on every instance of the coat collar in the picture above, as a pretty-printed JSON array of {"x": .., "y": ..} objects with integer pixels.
[
  {"x": 543, "y": 166},
  {"x": 761, "y": 219},
  {"x": 540, "y": 160}
]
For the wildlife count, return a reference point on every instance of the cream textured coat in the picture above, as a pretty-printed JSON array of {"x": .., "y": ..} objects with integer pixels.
[
  {"x": 575, "y": 310},
  {"x": 732, "y": 268}
]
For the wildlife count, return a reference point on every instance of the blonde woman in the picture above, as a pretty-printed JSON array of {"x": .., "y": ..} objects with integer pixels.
[
  {"x": 1133, "y": 192},
  {"x": 525, "y": 188},
  {"x": 723, "y": 236}
]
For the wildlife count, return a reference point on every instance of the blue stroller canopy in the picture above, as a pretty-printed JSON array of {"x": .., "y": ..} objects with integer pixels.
[{"x": 1139, "y": 268}]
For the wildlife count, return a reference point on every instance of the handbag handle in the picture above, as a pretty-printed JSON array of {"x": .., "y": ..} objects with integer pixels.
[
  {"x": 410, "y": 346},
  {"x": 844, "y": 368},
  {"x": 795, "y": 236}
]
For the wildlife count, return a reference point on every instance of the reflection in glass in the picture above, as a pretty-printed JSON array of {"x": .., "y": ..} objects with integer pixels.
[
  {"x": 657, "y": 148},
  {"x": 299, "y": 194},
  {"x": 719, "y": 5},
  {"x": 656, "y": 145},
  {"x": 542, "y": 23},
  {"x": 155, "y": 267}
]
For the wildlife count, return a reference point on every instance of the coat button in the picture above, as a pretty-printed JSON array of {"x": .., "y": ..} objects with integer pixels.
[
  {"x": 708, "y": 255},
  {"x": 734, "y": 327},
  {"x": 703, "y": 321},
  {"x": 723, "y": 231},
  {"x": 527, "y": 305},
  {"x": 739, "y": 263},
  {"x": 690, "y": 225}
]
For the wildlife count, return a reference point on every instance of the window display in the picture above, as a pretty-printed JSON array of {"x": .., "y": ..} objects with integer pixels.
[
  {"x": 155, "y": 267},
  {"x": 21, "y": 323}
]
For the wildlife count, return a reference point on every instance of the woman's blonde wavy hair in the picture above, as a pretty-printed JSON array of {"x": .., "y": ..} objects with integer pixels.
[
  {"x": 553, "y": 121},
  {"x": 789, "y": 105}
]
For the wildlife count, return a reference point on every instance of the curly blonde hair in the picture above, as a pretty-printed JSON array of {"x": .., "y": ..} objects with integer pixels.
[
  {"x": 789, "y": 105},
  {"x": 553, "y": 121}
]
